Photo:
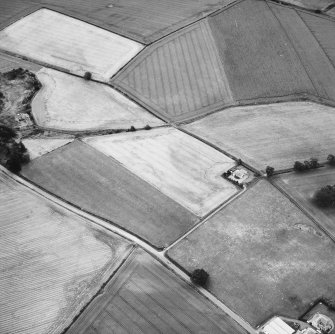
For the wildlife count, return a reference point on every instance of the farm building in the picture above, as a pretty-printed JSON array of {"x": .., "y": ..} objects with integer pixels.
[
  {"x": 321, "y": 322},
  {"x": 277, "y": 326}
]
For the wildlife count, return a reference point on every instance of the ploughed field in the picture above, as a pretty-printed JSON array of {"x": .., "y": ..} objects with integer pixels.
[
  {"x": 302, "y": 187},
  {"x": 52, "y": 261},
  {"x": 179, "y": 77},
  {"x": 100, "y": 185},
  {"x": 272, "y": 134},
  {"x": 223, "y": 60},
  {"x": 77, "y": 46},
  {"x": 66, "y": 102},
  {"x": 264, "y": 256},
  {"x": 145, "y": 297},
  {"x": 180, "y": 166}
]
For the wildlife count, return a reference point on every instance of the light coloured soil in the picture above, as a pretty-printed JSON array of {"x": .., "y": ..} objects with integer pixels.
[
  {"x": 98, "y": 184},
  {"x": 145, "y": 297},
  {"x": 8, "y": 63},
  {"x": 275, "y": 134},
  {"x": 302, "y": 187},
  {"x": 183, "y": 168},
  {"x": 263, "y": 255},
  {"x": 38, "y": 147},
  {"x": 52, "y": 261},
  {"x": 66, "y": 102},
  {"x": 76, "y": 45}
]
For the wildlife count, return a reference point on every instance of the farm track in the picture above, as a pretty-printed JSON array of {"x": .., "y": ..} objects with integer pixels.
[{"x": 159, "y": 255}]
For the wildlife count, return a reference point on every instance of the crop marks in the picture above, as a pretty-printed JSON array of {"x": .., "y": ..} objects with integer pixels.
[
  {"x": 52, "y": 261},
  {"x": 265, "y": 256},
  {"x": 70, "y": 103},
  {"x": 98, "y": 184},
  {"x": 183, "y": 168},
  {"x": 76, "y": 46},
  {"x": 272, "y": 134}
]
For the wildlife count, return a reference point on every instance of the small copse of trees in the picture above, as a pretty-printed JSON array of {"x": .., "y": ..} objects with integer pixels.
[
  {"x": 331, "y": 159},
  {"x": 12, "y": 151},
  {"x": 325, "y": 197},
  {"x": 306, "y": 165},
  {"x": 199, "y": 277}
]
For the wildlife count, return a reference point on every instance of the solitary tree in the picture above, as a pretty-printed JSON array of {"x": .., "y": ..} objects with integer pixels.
[
  {"x": 14, "y": 164},
  {"x": 199, "y": 277},
  {"x": 88, "y": 76},
  {"x": 325, "y": 197},
  {"x": 299, "y": 166},
  {"x": 269, "y": 170}
]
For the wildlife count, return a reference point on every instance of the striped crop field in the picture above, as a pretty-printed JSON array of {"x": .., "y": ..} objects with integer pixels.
[
  {"x": 265, "y": 256},
  {"x": 180, "y": 166},
  {"x": 145, "y": 297},
  {"x": 275, "y": 134},
  {"x": 258, "y": 58},
  {"x": 144, "y": 20},
  {"x": 180, "y": 77},
  {"x": 41, "y": 146},
  {"x": 323, "y": 30},
  {"x": 302, "y": 187},
  {"x": 52, "y": 261},
  {"x": 70, "y": 103},
  {"x": 76, "y": 46},
  {"x": 319, "y": 68},
  {"x": 98, "y": 184}
]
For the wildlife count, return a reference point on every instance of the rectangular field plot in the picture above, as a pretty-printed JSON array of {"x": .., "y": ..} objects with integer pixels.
[
  {"x": 180, "y": 77},
  {"x": 8, "y": 63},
  {"x": 66, "y": 102},
  {"x": 183, "y": 168},
  {"x": 302, "y": 187},
  {"x": 145, "y": 297},
  {"x": 310, "y": 4},
  {"x": 100, "y": 185},
  {"x": 257, "y": 56},
  {"x": 76, "y": 46},
  {"x": 52, "y": 261},
  {"x": 274, "y": 134},
  {"x": 144, "y": 20},
  {"x": 263, "y": 255}
]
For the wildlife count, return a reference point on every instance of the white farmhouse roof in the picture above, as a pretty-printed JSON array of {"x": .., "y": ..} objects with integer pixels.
[{"x": 277, "y": 326}]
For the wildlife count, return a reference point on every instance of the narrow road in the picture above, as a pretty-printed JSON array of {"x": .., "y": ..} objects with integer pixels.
[{"x": 159, "y": 255}]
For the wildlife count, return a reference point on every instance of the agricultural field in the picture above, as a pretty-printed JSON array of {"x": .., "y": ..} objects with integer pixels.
[
  {"x": 145, "y": 297},
  {"x": 323, "y": 31},
  {"x": 302, "y": 186},
  {"x": 180, "y": 77},
  {"x": 293, "y": 131},
  {"x": 40, "y": 146},
  {"x": 52, "y": 261},
  {"x": 98, "y": 184},
  {"x": 257, "y": 69},
  {"x": 76, "y": 46},
  {"x": 144, "y": 20},
  {"x": 319, "y": 68},
  {"x": 181, "y": 167},
  {"x": 263, "y": 255},
  {"x": 311, "y": 4},
  {"x": 70, "y": 103}
]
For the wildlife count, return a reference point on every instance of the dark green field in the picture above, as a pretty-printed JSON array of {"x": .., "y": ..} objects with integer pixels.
[{"x": 98, "y": 184}]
